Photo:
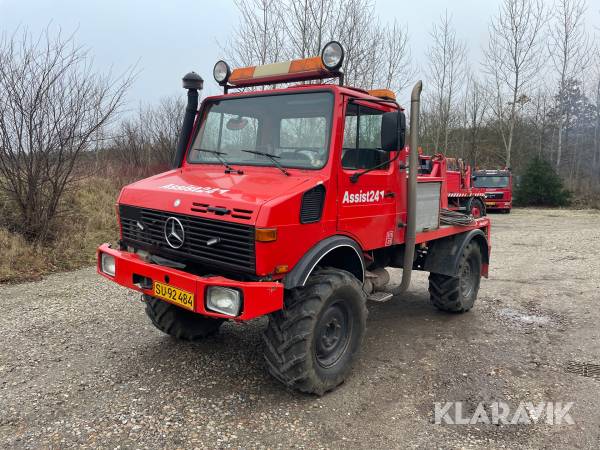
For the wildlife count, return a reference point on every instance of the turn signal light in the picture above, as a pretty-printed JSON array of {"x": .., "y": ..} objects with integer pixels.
[
  {"x": 282, "y": 268},
  {"x": 266, "y": 234}
]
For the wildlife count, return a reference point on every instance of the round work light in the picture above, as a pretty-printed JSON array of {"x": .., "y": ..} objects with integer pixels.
[
  {"x": 332, "y": 55},
  {"x": 221, "y": 72}
]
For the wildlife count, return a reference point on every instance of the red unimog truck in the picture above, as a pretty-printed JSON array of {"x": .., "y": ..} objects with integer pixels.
[
  {"x": 291, "y": 202},
  {"x": 498, "y": 188}
]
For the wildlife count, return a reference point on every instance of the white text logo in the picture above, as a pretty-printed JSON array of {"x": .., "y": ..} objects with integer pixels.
[
  {"x": 192, "y": 188},
  {"x": 500, "y": 413},
  {"x": 363, "y": 197}
]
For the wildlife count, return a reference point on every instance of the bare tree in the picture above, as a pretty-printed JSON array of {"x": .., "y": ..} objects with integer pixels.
[
  {"x": 539, "y": 118},
  {"x": 309, "y": 25},
  {"x": 476, "y": 110},
  {"x": 513, "y": 60},
  {"x": 376, "y": 55},
  {"x": 446, "y": 73},
  {"x": 596, "y": 94},
  {"x": 164, "y": 122},
  {"x": 396, "y": 57},
  {"x": 570, "y": 48},
  {"x": 259, "y": 38},
  {"x": 145, "y": 142},
  {"x": 52, "y": 104}
]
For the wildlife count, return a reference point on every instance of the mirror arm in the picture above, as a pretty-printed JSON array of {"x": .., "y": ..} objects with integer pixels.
[{"x": 355, "y": 176}]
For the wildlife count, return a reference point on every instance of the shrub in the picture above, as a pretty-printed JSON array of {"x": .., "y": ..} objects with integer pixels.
[
  {"x": 541, "y": 186},
  {"x": 90, "y": 221}
]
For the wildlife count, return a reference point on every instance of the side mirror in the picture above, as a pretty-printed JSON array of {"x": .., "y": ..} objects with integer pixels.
[{"x": 393, "y": 131}]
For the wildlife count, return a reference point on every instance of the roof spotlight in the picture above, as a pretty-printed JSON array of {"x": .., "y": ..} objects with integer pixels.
[
  {"x": 332, "y": 55},
  {"x": 221, "y": 72}
]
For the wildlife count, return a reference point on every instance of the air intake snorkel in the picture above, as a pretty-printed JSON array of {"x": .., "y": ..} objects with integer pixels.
[
  {"x": 410, "y": 236},
  {"x": 193, "y": 83}
]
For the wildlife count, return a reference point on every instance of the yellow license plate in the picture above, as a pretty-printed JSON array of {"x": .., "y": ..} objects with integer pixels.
[
  {"x": 490, "y": 203},
  {"x": 174, "y": 295}
]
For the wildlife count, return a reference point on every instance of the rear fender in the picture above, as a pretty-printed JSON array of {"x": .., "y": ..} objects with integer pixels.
[{"x": 443, "y": 255}]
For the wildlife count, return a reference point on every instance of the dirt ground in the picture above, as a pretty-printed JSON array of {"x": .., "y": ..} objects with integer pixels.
[{"x": 81, "y": 366}]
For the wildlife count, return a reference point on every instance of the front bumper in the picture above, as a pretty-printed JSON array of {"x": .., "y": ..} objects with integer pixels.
[
  {"x": 259, "y": 297},
  {"x": 497, "y": 204}
]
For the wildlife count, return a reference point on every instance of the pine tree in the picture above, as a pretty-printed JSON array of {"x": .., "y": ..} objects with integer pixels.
[{"x": 541, "y": 186}]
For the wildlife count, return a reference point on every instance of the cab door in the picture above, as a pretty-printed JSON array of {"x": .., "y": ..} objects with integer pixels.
[{"x": 367, "y": 208}]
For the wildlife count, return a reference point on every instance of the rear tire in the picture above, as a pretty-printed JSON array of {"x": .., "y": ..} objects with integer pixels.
[
  {"x": 178, "y": 322},
  {"x": 310, "y": 345},
  {"x": 476, "y": 208},
  {"x": 458, "y": 294}
]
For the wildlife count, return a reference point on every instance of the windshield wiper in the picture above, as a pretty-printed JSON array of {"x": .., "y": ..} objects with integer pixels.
[
  {"x": 271, "y": 157},
  {"x": 217, "y": 154}
]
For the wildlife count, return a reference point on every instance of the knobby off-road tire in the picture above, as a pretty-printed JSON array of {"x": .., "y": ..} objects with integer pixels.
[
  {"x": 458, "y": 294},
  {"x": 178, "y": 322},
  {"x": 310, "y": 345},
  {"x": 477, "y": 208}
]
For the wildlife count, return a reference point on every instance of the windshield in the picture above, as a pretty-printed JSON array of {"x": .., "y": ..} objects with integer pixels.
[
  {"x": 490, "y": 181},
  {"x": 292, "y": 128}
]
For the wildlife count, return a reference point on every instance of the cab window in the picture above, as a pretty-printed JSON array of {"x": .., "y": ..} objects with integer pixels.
[
  {"x": 362, "y": 138},
  {"x": 294, "y": 128}
]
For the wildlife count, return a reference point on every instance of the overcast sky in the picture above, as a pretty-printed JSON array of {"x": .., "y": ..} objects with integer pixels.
[{"x": 166, "y": 39}]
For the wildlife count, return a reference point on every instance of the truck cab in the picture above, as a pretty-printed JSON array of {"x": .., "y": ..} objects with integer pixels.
[
  {"x": 498, "y": 188},
  {"x": 290, "y": 202}
]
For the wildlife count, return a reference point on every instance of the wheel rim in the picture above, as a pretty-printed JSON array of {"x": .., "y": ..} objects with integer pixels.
[
  {"x": 333, "y": 334},
  {"x": 467, "y": 278}
]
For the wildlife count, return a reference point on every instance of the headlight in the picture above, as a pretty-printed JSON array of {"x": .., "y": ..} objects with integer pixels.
[
  {"x": 107, "y": 264},
  {"x": 221, "y": 72},
  {"x": 332, "y": 55},
  {"x": 224, "y": 300}
]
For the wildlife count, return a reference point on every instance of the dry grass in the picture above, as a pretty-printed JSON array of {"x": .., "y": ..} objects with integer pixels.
[{"x": 92, "y": 221}]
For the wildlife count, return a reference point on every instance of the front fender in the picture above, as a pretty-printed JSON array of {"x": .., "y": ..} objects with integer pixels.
[{"x": 353, "y": 262}]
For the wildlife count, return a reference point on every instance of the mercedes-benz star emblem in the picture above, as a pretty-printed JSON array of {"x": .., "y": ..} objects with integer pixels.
[{"x": 174, "y": 232}]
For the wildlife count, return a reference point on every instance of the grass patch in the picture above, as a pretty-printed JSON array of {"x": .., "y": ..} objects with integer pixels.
[{"x": 91, "y": 220}]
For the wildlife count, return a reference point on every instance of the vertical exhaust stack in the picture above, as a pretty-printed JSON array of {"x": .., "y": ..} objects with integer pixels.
[
  {"x": 411, "y": 220},
  {"x": 193, "y": 83}
]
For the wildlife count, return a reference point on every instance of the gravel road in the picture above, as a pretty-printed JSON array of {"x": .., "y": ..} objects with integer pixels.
[{"x": 81, "y": 366}]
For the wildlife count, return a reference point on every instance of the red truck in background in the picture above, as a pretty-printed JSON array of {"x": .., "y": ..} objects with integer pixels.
[
  {"x": 498, "y": 187},
  {"x": 461, "y": 194}
]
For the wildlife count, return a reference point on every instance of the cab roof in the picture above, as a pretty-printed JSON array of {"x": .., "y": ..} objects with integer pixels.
[{"x": 341, "y": 90}]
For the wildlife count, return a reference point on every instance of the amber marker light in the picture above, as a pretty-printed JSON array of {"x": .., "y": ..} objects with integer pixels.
[{"x": 266, "y": 234}]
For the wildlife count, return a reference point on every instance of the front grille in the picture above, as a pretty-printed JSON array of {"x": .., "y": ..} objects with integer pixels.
[
  {"x": 234, "y": 248},
  {"x": 494, "y": 195}
]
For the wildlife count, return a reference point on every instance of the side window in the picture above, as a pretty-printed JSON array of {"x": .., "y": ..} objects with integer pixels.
[{"x": 362, "y": 138}]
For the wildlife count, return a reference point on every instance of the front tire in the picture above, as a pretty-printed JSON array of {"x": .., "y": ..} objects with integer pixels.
[
  {"x": 310, "y": 345},
  {"x": 458, "y": 294},
  {"x": 178, "y": 322}
]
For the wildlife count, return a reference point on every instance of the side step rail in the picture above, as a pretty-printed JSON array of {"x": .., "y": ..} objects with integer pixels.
[{"x": 380, "y": 296}]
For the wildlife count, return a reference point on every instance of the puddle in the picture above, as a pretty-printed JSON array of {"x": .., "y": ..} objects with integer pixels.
[{"x": 527, "y": 319}]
